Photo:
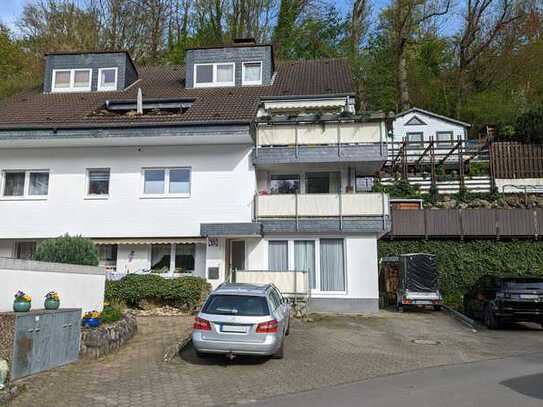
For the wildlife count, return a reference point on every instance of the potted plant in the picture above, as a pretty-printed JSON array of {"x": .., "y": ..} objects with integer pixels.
[
  {"x": 52, "y": 300},
  {"x": 22, "y": 302},
  {"x": 91, "y": 319}
]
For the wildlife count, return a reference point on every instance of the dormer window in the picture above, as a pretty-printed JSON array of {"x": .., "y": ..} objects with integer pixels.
[
  {"x": 252, "y": 73},
  {"x": 71, "y": 80},
  {"x": 209, "y": 75},
  {"x": 107, "y": 79}
]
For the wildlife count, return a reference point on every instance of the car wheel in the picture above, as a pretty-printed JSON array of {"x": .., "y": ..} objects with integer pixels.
[
  {"x": 437, "y": 307},
  {"x": 280, "y": 353},
  {"x": 287, "y": 332},
  {"x": 491, "y": 321}
]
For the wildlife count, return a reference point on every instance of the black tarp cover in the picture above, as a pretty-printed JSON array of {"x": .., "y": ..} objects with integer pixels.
[{"x": 418, "y": 272}]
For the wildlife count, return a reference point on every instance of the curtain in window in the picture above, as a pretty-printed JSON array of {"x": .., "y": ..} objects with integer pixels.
[
  {"x": 304, "y": 259},
  {"x": 332, "y": 265},
  {"x": 278, "y": 255}
]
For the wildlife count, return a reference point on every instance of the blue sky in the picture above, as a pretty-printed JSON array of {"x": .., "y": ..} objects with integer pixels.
[{"x": 10, "y": 10}]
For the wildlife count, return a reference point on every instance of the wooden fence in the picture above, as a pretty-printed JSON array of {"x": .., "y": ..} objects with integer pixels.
[
  {"x": 469, "y": 223},
  {"x": 511, "y": 160}
]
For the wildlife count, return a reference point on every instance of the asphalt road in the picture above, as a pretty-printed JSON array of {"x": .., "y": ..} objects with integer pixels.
[{"x": 515, "y": 381}]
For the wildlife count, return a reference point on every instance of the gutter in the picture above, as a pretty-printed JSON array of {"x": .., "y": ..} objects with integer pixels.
[{"x": 124, "y": 125}]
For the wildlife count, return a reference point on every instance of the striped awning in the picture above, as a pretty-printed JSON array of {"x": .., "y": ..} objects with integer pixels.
[
  {"x": 150, "y": 240},
  {"x": 304, "y": 104}
]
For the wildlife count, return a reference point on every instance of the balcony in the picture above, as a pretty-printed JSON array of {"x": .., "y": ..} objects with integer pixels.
[
  {"x": 321, "y": 142},
  {"x": 351, "y": 212}
]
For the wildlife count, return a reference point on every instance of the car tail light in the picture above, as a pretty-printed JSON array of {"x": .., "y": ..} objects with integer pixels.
[
  {"x": 407, "y": 301},
  {"x": 436, "y": 302},
  {"x": 269, "y": 327},
  {"x": 201, "y": 324}
]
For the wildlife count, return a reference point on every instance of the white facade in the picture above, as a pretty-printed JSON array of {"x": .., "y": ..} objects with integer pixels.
[{"x": 429, "y": 125}]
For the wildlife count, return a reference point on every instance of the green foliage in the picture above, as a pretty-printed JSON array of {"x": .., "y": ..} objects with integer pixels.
[
  {"x": 529, "y": 126},
  {"x": 479, "y": 168},
  {"x": 112, "y": 312},
  {"x": 67, "y": 249},
  {"x": 400, "y": 188},
  {"x": 461, "y": 263},
  {"x": 184, "y": 292}
]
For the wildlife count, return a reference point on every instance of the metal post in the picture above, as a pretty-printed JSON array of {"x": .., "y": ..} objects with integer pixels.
[
  {"x": 296, "y": 209},
  {"x": 461, "y": 164},
  {"x": 340, "y": 211},
  {"x": 172, "y": 258},
  {"x": 296, "y": 141},
  {"x": 433, "y": 162},
  {"x": 338, "y": 140}
]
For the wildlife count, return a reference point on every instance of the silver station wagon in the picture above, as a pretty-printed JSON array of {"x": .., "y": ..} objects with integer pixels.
[{"x": 242, "y": 319}]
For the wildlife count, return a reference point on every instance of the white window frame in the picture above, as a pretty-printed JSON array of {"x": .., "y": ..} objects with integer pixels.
[
  {"x": 291, "y": 262},
  {"x": 214, "y": 82},
  {"x": 243, "y": 81},
  {"x": 100, "y": 87},
  {"x": 72, "y": 87},
  {"x": 166, "y": 193},
  {"x": 87, "y": 184},
  {"x": 26, "y": 189}
]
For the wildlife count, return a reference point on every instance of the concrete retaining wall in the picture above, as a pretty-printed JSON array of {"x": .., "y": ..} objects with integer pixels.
[{"x": 78, "y": 286}]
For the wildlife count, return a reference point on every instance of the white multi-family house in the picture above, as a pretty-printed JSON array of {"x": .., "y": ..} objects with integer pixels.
[{"x": 230, "y": 162}]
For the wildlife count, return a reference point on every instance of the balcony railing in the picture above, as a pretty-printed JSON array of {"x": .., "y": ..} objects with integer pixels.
[
  {"x": 318, "y": 134},
  {"x": 321, "y": 205}
]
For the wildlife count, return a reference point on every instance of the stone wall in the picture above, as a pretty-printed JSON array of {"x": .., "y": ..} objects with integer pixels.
[{"x": 107, "y": 338}]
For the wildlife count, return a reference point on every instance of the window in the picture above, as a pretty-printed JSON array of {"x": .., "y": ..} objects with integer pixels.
[
  {"x": 252, "y": 73},
  {"x": 71, "y": 80},
  {"x": 285, "y": 184},
  {"x": 415, "y": 140},
  {"x": 275, "y": 299},
  {"x": 25, "y": 184},
  {"x": 107, "y": 79},
  {"x": 323, "y": 182},
  {"x": 25, "y": 250},
  {"x": 207, "y": 75},
  {"x": 304, "y": 259},
  {"x": 166, "y": 182},
  {"x": 332, "y": 275},
  {"x": 444, "y": 138},
  {"x": 278, "y": 255},
  {"x": 183, "y": 262},
  {"x": 363, "y": 183},
  {"x": 240, "y": 305},
  {"x": 107, "y": 255},
  {"x": 98, "y": 182}
]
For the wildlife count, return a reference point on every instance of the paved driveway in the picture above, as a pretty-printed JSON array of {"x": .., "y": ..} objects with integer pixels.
[{"x": 328, "y": 351}]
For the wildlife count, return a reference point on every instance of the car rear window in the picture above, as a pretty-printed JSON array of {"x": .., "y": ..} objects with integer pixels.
[
  {"x": 241, "y": 305},
  {"x": 524, "y": 283}
]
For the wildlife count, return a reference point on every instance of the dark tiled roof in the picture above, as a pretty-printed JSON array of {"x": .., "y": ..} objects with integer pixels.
[{"x": 300, "y": 78}]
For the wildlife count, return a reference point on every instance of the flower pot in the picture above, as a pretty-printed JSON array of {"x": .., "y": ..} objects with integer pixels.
[
  {"x": 21, "y": 306},
  {"x": 92, "y": 322},
  {"x": 51, "y": 304}
]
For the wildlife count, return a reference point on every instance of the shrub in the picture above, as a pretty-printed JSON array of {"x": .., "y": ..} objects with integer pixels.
[
  {"x": 184, "y": 292},
  {"x": 67, "y": 249},
  {"x": 112, "y": 312},
  {"x": 461, "y": 263}
]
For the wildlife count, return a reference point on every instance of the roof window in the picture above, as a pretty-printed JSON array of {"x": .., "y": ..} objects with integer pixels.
[
  {"x": 71, "y": 80},
  {"x": 210, "y": 75},
  {"x": 149, "y": 107},
  {"x": 107, "y": 79}
]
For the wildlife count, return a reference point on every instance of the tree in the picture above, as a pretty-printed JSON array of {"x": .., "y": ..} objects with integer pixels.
[
  {"x": 405, "y": 18},
  {"x": 67, "y": 249},
  {"x": 484, "y": 20},
  {"x": 289, "y": 12}
]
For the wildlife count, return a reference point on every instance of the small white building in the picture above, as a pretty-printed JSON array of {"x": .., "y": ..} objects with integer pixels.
[
  {"x": 417, "y": 127},
  {"x": 229, "y": 163}
]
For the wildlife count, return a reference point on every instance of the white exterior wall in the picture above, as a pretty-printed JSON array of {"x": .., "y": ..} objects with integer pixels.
[
  {"x": 215, "y": 257},
  {"x": 76, "y": 290},
  {"x": 222, "y": 190},
  {"x": 361, "y": 270},
  {"x": 433, "y": 125},
  {"x": 530, "y": 184}
]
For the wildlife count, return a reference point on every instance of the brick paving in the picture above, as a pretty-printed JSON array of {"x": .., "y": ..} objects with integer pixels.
[{"x": 328, "y": 351}]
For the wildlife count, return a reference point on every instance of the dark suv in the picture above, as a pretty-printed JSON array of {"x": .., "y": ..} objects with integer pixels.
[{"x": 505, "y": 299}]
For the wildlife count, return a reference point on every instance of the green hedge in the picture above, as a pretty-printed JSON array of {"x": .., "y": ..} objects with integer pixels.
[
  {"x": 461, "y": 263},
  {"x": 184, "y": 292}
]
